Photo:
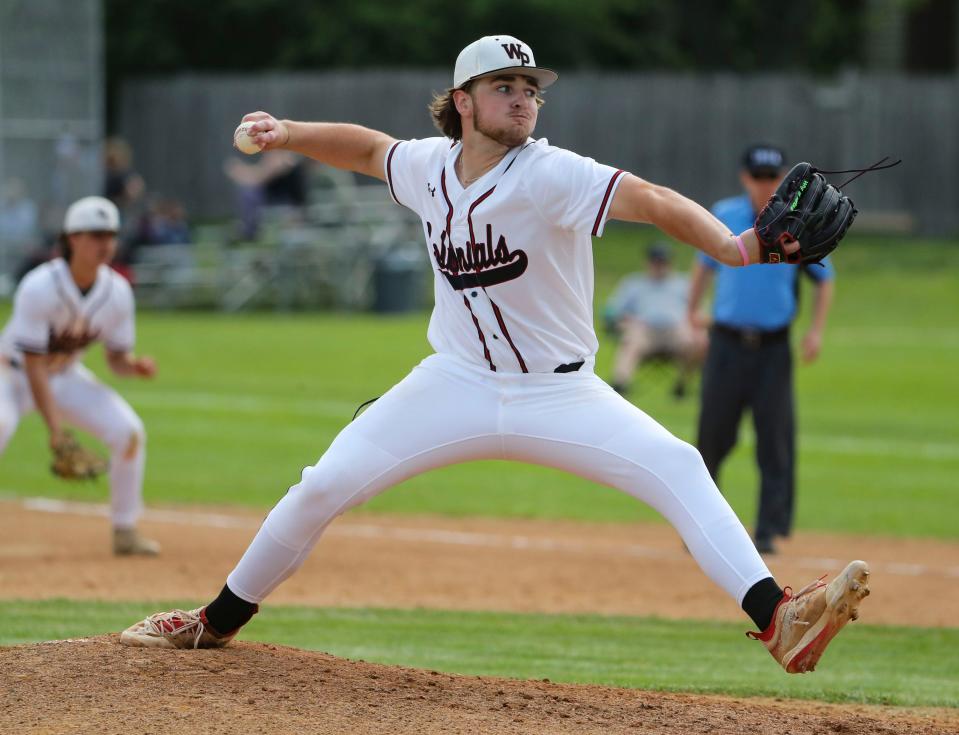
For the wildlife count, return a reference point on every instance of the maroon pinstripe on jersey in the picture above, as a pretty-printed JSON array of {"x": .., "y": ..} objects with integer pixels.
[
  {"x": 500, "y": 265},
  {"x": 502, "y": 325},
  {"x": 448, "y": 231},
  {"x": 479, "y": 332},
  {"x": 489, "y": 244},
  {"x": 389, "y": 170},
  {"x": 602, "y": 207}
]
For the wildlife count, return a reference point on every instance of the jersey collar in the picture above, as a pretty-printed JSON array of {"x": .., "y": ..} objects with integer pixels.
[
  {"x": 484, "y": 181},
  {"x": 69, "y": 289}
]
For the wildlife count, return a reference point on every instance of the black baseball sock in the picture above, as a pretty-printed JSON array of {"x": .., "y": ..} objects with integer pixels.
[
  {"x": 761, "y": 600},
  {"x": 228, "y": 612}
]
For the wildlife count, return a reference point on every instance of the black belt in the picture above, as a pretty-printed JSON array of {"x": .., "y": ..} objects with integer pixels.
[
  {"x": 753, "y": 337},
  {"x": 570, "y": 367}
]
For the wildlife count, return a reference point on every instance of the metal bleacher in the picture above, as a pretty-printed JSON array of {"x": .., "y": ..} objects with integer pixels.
[{"x": 322, "y": 257}]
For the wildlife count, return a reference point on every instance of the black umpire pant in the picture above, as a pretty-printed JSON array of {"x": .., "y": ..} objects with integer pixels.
[{"x": 752, "y": 369}]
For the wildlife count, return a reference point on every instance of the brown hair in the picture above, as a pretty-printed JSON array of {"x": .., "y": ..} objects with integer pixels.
[
  {"x": 447, "y": 119},
  {"x": 445, "y": 116},
  {"x": 64, "y": 242}
]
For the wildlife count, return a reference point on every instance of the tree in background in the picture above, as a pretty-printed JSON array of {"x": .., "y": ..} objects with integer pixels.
[
  {"x": 816, "y": 36},
  {"x": 741, "y": 35}
]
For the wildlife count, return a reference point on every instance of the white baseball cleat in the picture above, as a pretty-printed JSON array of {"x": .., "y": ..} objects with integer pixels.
[
  {"x": 804, "y": 624},
  {"x": 175, "y": 629},
  {"x": 129, "y": 542}
]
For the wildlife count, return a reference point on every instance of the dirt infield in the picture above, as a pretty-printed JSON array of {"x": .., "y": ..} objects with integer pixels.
[
  {"x": 364, "y": 560},
  {"x": 94, "y": 685}
]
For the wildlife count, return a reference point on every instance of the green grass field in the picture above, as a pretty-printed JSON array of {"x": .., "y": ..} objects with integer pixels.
[{"x": 242, "y": 403}]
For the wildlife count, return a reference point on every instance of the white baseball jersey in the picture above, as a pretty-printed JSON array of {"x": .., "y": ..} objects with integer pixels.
[
  {"x": 52, "y": 317},
  {"x": 512, "y": 252}
]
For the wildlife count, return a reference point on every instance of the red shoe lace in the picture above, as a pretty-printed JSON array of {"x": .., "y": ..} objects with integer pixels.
[
  {"x": 812, "y": 586},
  {"x": 172, "y": 624},
  {"x": 787, "y": 596}
]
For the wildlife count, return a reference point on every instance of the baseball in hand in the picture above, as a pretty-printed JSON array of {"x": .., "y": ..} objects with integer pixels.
[{"x": 243, "y": 142}]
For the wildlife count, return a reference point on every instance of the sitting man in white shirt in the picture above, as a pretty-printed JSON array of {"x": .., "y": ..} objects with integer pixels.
[{"x": 648, "y": 311}]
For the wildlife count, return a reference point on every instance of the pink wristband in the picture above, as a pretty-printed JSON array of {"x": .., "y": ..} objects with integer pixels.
[{"x": 742, "y": 249}]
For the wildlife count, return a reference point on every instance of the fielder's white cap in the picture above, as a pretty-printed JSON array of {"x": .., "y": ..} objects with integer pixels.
[
  {"x": 498, "y": 55},
  {"x": 91, "y": 214}
]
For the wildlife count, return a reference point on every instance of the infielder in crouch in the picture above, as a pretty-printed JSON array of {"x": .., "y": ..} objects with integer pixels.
[
  {"x": 508, "y": 222},
  {"x": 59, "y": 309}
]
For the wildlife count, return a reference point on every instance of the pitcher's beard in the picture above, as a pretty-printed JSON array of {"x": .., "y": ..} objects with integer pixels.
[{"x": 510, "y": 136}]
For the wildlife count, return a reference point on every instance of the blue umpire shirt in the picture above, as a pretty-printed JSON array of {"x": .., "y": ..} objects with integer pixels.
[{"x": 757, "y": 296}]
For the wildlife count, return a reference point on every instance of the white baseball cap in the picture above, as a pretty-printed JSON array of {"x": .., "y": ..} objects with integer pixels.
[
  {"x": 91, "y": 214},
  {"x": 498, "y": 54}
]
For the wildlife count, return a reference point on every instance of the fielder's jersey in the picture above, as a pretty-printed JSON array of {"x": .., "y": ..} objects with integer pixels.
[
  {"x": 511, "y": 253},
  {"x": 52, "y": 317}
]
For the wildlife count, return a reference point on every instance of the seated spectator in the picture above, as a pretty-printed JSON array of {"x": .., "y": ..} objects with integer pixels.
[
  {"x": 648, "y": 311},
  {"x": 164, "y": 223}
]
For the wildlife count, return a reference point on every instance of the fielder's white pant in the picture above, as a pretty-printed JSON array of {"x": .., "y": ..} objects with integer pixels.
[
  {"x": 94, "y": 407},
  {"x": 448, "y": 411}
]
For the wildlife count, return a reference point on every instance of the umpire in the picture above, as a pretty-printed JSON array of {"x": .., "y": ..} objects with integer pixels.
[{"x": 749, "y": 361}]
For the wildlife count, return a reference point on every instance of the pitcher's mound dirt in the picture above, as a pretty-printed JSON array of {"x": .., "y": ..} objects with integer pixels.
[{"x": 95, "y": 685}]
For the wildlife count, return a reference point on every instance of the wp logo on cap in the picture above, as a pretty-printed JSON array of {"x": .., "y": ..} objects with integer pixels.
[
  {"x": 515, "y": 51},
  {"x": 493, "y": 55}
]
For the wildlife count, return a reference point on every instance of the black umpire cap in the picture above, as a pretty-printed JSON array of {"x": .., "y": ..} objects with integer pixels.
[{"x": 764, "y": 160}]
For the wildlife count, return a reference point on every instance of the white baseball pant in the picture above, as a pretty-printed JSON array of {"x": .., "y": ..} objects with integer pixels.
[
  {"x": 85, "y": 402},
  {"x": 448, "y": 411}
]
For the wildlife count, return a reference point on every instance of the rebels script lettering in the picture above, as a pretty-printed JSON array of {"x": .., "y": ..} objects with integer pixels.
[{"x": 479, "y": 263}]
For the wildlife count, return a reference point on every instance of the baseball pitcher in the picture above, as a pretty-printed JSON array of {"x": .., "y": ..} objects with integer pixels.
[{"x": 508, "y": 222}]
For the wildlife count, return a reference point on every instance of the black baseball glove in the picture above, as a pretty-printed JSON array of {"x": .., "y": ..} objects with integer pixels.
[{"x": 806, "y": 208}]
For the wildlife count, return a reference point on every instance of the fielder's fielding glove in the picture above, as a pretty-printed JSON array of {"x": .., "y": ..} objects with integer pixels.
[
  {"x": 806, "y": 208},
  {"x": 72, "y": 461}
]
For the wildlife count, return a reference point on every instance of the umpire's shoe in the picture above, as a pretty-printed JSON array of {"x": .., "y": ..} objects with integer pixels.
[
  {"x": 175, "y": 629},
  {"x": 803, "y": 625}
]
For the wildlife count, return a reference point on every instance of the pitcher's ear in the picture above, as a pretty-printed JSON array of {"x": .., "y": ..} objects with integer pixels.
[{"x": 463, "y": 102}]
